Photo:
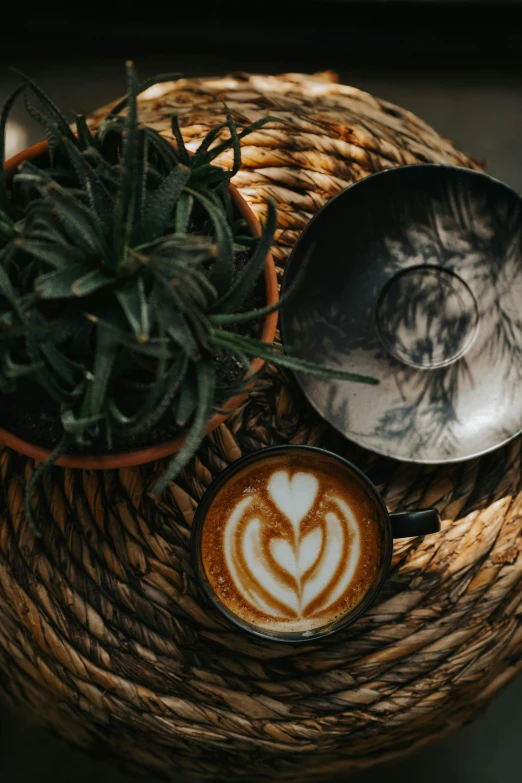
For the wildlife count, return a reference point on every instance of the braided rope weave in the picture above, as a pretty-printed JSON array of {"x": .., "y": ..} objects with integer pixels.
[{"x": 103, "y": 632}]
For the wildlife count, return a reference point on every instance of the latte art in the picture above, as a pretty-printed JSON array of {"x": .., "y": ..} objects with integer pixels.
[
  {"x": 289, "y": 547},
  {"x": 302, "y": 571}
]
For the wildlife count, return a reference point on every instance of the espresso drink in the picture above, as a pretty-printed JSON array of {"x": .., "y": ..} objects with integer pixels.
[{"x": 292, "y": 542}]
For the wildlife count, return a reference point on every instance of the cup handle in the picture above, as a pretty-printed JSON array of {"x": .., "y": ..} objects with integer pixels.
[{"x": 415, "y": 523}]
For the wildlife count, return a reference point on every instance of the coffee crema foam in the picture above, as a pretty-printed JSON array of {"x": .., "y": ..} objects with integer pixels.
[{"x": 292, "y": 542}]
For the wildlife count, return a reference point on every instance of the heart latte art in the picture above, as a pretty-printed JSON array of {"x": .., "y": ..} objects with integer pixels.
[
  {"x": 291, "y": 547},
  {"x": 303, "y": 570}
]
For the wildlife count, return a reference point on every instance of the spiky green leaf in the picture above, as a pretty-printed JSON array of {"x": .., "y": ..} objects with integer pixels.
[
  {"x": 158, "y": 79},
  {"x": 218, "y": 149},
  {"x": 223, "y": 268},
  {"x": 37, "y": 474},
  {"x": 99, "y": 198},
  {"x": 79, "y": 223},
  {"x": 58, "y": 119},
  {"x": 62, "y": 365},
  {"x": 83, "y": 132},
  {"x": 55, "y": 254},
  {"x": 262, "y": 312},
  {"x": 58, "y": 284},
  {"x": 206, "y": 383},
  {"x": 91, "y": 282},
  {"x": 245, "y": 283},
  {"x": 274, "y": 353},
  {"x": 107, "y": 347},
  {"x": 183, "y": 153},
  {"x": 186, "y": 402},
  {"x": 183, "y": 213},
  {"x": 133, "y": 300},
  {"x": 160, "y": 205}
]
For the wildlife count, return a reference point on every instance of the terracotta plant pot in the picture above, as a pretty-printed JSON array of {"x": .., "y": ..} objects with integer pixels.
[{"x": 169, "y": 447}]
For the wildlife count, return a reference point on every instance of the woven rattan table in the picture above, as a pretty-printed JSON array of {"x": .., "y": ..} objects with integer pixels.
[{"x": 103, "y": 633}]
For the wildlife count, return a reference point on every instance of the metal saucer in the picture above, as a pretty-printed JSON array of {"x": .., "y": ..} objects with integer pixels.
[{"x": 414, "y": 277}]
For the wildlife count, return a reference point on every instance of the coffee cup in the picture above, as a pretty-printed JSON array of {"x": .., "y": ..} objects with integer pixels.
[{"x": 293, "y": 543}]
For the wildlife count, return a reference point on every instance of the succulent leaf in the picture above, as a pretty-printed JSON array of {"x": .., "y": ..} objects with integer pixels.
[
  {"x": 160, "y": 205},
  {"x": 183, "y": 153},
  {"x": 57, "y": 119},
  {"x": 83, "y": 133},
  {"x": 242, "y": 287},
  {"x": 274, "y": 353},
  {"x": 133, "y": 300},
  {"x": 206, "y": 383},
  {"x": 222, "y": 271}
]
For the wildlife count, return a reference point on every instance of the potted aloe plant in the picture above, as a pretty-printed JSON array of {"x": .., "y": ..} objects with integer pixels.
[{"x": 138, "y": 296}]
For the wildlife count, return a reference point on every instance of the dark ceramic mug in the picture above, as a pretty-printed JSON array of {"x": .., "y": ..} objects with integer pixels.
[{"x": 396, "y": 525}]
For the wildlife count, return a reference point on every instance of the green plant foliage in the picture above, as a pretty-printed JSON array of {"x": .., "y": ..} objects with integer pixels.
[{"x": 119, "y": 274}]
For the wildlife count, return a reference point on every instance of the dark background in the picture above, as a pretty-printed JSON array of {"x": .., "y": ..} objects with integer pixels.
[
  {"x": 287, "y": 34},
  {"x": 458, "y": 64}
]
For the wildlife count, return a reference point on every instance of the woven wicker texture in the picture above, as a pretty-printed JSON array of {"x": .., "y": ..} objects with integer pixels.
[{"x": 103, "y": 632}]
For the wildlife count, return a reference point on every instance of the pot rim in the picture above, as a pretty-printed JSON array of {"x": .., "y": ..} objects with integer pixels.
[{"x": 147, "y": 454}]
